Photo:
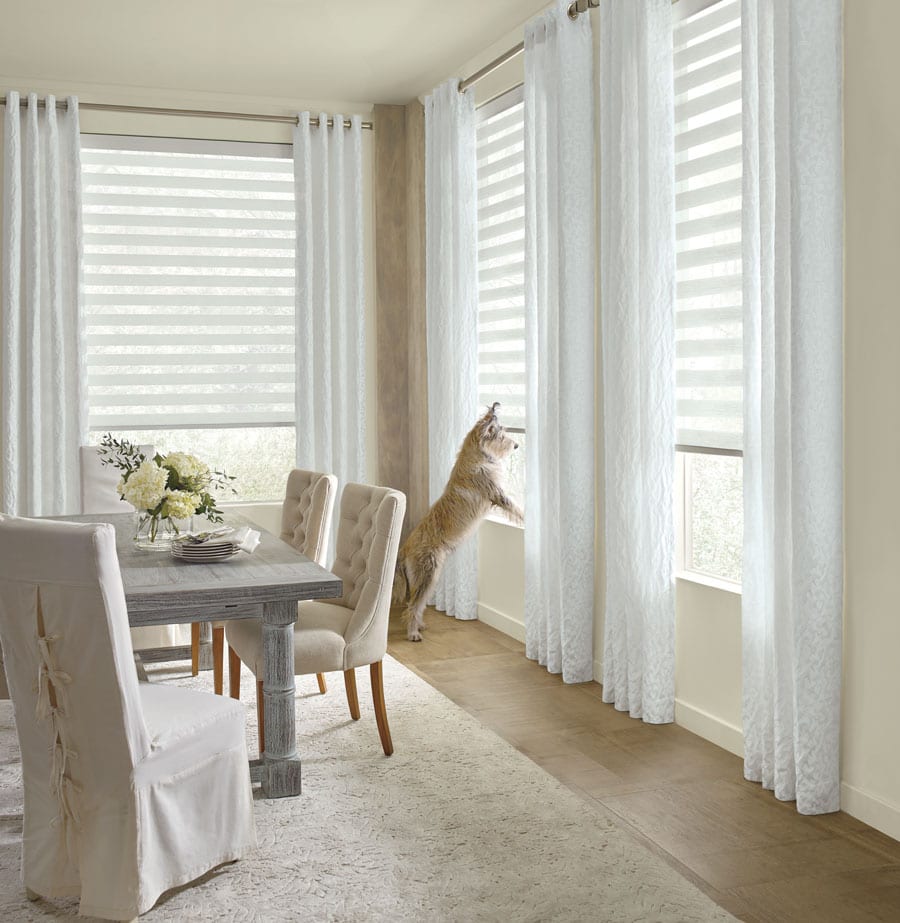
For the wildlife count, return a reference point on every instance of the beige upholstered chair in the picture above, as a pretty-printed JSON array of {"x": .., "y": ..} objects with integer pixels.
[
  {"x": 305, "y": 524},
  {"x": 99, "y": 494},
  {"x": 117, "y": 775},
  {"x": 351, "y": 631}
]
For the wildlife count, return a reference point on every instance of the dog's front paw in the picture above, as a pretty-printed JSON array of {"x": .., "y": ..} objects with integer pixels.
[{"x": 412, "y": 634}]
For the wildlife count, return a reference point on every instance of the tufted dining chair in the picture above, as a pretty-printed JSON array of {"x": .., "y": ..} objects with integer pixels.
[
  {"x": 99, "y": 494},
  {"x": 305, "y": 524},
  {"x": 351, "y": 630},
  {"x": 115, "y": 773}
]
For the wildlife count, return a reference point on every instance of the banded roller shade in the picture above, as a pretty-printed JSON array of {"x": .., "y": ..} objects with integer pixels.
[
  {"x": 500, "y": 144},
  {"x": 188, "y": 283},
  {"x": 708, "y": 349}
]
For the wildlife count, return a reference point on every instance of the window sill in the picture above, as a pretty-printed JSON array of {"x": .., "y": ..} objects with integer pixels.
[
  {"x": 501, "y": 520},
  {"x": 716, "y": 583}
]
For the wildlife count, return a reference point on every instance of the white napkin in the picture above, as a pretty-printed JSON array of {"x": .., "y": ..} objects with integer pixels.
[{"x": 246, "y": 539}]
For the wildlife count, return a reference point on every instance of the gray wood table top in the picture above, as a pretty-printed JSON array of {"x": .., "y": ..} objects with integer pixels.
[{"x": 158, "y": 585}]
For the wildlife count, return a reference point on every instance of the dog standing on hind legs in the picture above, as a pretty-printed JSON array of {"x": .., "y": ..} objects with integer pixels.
[{"x": 475, "y": 486}]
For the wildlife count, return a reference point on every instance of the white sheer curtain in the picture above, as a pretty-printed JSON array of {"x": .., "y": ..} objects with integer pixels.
[
  {"x": 792, "y": 241},
  {"x": 637, "y": 292},
  {"x": 559, "y": 323},
  {"x": 43, "y": 411},
  {"x": 330, "y": 298},
  {"x": 451, "y": 302}
]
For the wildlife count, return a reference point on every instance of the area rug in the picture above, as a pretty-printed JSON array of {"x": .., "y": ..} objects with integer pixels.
[{"x": 455, "y": 826}]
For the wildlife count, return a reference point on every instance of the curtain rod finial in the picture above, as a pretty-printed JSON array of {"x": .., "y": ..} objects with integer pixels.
[{"x": 581, "y": 6}]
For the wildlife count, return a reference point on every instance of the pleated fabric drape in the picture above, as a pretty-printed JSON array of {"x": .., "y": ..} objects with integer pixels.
[
  {"x": 637, "y": 297},
  {"x": 559, "y": 324},
  {"x": 43, "y": 410},
  {"x": 330, "y": 298},
  {"x": 792, "y": 297},
  {"x": 451, "y": 302}
]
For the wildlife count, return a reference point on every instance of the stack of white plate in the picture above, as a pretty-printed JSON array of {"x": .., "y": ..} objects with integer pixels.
[{"x": 204, "y": 552}]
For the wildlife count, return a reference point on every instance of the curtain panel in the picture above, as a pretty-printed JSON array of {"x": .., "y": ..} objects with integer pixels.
[
  {"x": 330, "y": 298},
  {"x": 559, "y": 330},
  {"x": 637, "y": 301},
  {"x": 451, "y": 303},
  {"x": 43, "y": 407},
  {"x": 792, "y": 297}
]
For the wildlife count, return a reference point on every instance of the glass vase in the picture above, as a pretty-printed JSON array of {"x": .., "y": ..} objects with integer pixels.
[{"x": 158, "y": 533}]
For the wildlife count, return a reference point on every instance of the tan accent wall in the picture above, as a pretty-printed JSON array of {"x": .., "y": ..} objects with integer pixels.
[
  {"x": 399, "y": 190},
  {"x": 418, "y": 371}
]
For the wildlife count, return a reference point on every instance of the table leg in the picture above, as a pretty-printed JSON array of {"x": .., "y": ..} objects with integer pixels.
[{"x": 282, "y": 767}]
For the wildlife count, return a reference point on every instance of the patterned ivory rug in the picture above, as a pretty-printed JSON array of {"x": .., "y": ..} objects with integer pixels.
[{"x": 455, "y": 826}]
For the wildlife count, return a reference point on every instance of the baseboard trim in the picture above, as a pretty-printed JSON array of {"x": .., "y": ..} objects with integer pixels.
[
  {"x": 502, "y": 622},
  {"x": 871, "y": 810},
  {"x": 709, "y": 727}
]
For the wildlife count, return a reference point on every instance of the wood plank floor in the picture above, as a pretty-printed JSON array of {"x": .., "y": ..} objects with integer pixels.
[{"x": 683, "y": 797}]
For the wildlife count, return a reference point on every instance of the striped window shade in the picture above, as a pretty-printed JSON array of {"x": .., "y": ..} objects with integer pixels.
[
  {"x": 707, "y": 72},
  {"x": 500, "y": 142},
  {"x": 189, "y": 283}
]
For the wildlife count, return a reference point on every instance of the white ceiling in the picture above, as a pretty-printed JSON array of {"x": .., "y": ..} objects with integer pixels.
[{"x": 359, "y": 51}]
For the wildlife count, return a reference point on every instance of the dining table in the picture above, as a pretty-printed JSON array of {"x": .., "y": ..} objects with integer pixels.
[{"x": 266, "y": 584}]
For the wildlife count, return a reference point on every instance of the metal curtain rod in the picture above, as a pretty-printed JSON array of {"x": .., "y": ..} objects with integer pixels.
[
  {"x": 490, "y": 68},
  {"x": 576, "y": 7},
  {"x": 195, "y": 113}
]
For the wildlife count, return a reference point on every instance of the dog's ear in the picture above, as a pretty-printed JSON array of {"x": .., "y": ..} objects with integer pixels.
[{"x": 492, "y": 410}]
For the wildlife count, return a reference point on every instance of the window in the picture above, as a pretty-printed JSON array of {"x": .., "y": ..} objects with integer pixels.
[
  {"x": 189, "y": 301},
  {"x": 500, "y": 141},
  {"x": 710, "y": 517},
  {"x": 708, "y": 349}
]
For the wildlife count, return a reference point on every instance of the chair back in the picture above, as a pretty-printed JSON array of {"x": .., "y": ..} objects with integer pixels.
[
  {"x": 367, "y": 541},
  {"x": 306, "y": 512},
  {"x": 71, "y": 675},
  {"x": 99, "y": 482}
]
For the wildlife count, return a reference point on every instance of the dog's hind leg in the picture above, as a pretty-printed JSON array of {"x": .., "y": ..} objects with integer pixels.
[{"x": 422, "y": 577}]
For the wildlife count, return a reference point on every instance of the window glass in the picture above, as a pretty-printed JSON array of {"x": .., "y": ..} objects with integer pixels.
[{"x": 713, "y": 513}]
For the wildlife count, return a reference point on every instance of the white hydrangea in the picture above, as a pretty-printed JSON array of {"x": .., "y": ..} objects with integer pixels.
[
  {"x": 146, "y": 486},
  {"x": 180, "y": 504},
  {"x": 188, "y": 468}
]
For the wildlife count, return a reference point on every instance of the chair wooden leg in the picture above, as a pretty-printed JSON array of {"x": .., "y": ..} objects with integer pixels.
[
  {"x": 384, "y": 732},
  {"x": 352, "y": 697},
  {"x": 218, "y": 651},
  {"x": 234, "y": 673},
  {"x": 261, "y": 716},
  {"x": 322, "y": 687},
  {"x": 195, "y": 648}
]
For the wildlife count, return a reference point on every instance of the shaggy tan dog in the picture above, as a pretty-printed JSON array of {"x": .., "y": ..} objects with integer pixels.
[{"x": 475, "y": 485}]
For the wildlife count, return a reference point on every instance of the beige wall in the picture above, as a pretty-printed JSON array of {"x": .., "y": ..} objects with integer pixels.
[
  {"x": 871, "y": 737},
  {"x": 708, "y": 630}
]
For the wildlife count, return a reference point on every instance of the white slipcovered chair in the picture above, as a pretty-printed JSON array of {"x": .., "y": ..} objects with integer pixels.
[
  {"x": 117, "y": 775},
  {"x": 350, "y": 631},
  {"x": 305, "y": 524},
  {"x": 99, "y": 495}
]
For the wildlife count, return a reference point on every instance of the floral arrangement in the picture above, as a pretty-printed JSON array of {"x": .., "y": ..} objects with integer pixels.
[{"x": 164, "y": 488}]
